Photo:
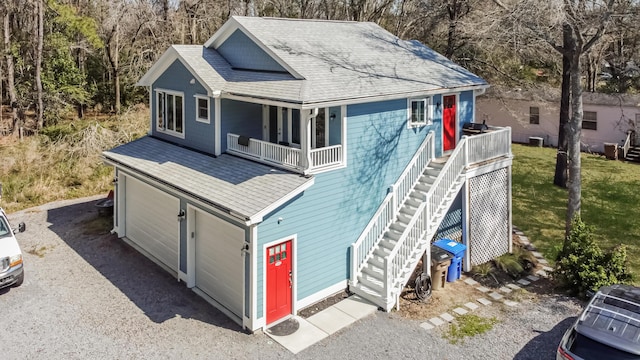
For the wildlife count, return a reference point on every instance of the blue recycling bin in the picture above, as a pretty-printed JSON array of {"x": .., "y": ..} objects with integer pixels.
[{"x": 457, "y": 251}]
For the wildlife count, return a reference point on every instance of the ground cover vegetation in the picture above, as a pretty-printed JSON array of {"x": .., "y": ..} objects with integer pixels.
[
  {"x": 69, "y": 67},
  {"x": 609, "y": 210}
]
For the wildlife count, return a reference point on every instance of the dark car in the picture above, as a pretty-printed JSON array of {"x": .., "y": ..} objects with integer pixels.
[{"x": 608, "y": 328}]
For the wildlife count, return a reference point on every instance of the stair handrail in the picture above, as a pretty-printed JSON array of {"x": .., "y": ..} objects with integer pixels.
[
  {"x": 388, "y": 210},
  {"x": 627, "y": 145},
  {"x": 392, "y": 267}
]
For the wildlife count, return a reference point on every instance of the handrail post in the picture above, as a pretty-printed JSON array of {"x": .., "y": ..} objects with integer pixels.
[
  {"x": 466, "y": 150},
  {"x": 354, "y": 278}
]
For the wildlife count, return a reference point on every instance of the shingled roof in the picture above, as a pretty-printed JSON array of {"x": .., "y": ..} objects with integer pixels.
[{"x": 327, "y": 62}]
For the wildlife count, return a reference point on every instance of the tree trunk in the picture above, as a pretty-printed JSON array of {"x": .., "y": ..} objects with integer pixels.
[
  {"x": 40, "y": 33},
  {"x": 560, "y": 178},
  {"x": 452, "y": 10},
  {"x": 573, "y": 140},
  {"x": 11, "y": 87},
  {"x": 113, "y": 49}
]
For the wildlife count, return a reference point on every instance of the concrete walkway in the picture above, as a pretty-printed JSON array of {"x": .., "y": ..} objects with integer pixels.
[{"x": 325, "y": 323}]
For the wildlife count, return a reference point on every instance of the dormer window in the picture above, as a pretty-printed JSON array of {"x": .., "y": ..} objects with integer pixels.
[
  {"x": 419, "y": 112},
  {"x": 170, "y": 112}
]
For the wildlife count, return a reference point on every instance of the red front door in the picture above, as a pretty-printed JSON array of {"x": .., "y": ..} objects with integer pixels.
[
  {"x": 278, "y": 262},
  {"x": 449, "y": 122}
]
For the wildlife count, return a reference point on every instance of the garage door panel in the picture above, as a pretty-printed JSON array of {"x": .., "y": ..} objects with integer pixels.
[
  {"x": 151, "y": 221},
  {"x": 219, "y": 261}
]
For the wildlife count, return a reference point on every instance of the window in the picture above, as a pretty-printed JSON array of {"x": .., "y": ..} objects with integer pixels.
[
  {"x": 419, "y": 114},
  {"x": 534, "y": 115},
  {"x": 202, "y": 108},
  {"x": 590, "y": 120},
  {"x": 170, "y": 112}
]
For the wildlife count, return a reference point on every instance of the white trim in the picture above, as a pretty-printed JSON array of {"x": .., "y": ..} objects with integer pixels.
[
  {"x": 151, "y": 93},
  {"x": 343, "y": 113},
  {"x": 428, "y": 114},
  {"x": 294, "y": 274},
  {"x": 217, "y": 126},
  {"x": 323, "y": 294},
  {"x": 163, "y": 63},
  {"x": 493, "y": 165},
  {"x": 253, "y": 241},
  {"x": 197, "y": 107},
  {"x": 466, "y": 224},
  {"x": 279, "y": 124},
  {"x": 164, "y": 130},
  {"x": 191, "y": 246},
  {"x": 261, "y": 101}
]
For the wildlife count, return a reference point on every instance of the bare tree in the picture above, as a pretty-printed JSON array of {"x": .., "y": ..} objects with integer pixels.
[
  {"x": 39, "y": 31},
  {"x": 11, "y": 87}
]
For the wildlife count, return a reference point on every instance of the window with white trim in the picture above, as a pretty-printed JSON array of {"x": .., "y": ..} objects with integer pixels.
[
  {"x": 419, "y": 112},
  {"x": 170, "y": 112},
  {"x": 590, "y": 120},
  {"x": 202, "y": 108},
  {"x": 534, "y": 115}
]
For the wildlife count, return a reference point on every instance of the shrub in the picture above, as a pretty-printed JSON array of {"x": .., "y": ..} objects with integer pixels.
[
  {"x": 582, "y": 266},
  {"x": 510, "y": 264}
]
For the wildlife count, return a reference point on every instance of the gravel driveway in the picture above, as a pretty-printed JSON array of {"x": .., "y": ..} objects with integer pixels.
[{"x": 89, "y": 295}]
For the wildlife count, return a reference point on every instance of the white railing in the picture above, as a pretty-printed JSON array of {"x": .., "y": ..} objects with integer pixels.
[
  {"x": 396, "y": 262},
  {"x": 326, "y": 156},
  {"x": 422, "y": 227},
  {"x": 266, "y": 151},
  {"x": 386, "y": 213},
  {"x": 627, "y": 145},
  {"x": 488, "y": 145}
]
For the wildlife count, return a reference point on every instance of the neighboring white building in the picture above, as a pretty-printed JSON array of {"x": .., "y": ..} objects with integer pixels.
[{"x": 535, "y": 113}]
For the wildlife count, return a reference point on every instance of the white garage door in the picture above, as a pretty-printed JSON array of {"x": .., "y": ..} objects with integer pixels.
[
  {"x": 152, "y": 221},
  {"x": 219, "y": 260}
]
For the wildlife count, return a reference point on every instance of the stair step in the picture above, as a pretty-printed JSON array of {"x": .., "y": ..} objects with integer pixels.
[
  {"x": 393, "y": 233},
  {"x": 416, "y": 197},
  {"x": 389, "y": 243},
  {"x": 432, "y": 172},
  {"x": 371, "y": 282},
  {"x": 382, "y": 252},
  {"x": 427, "y": 179},
  {"x": 409, "y": 210},
  {"x": 423, "y": 187},
  {"x": 374, "y": 271},
  {"x": 373, "y": 292}
]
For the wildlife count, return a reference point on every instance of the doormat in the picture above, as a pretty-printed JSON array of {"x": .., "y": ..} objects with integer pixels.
[{"x": 285, "y": 328}]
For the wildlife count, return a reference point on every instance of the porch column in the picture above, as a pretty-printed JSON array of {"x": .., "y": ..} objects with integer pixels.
[{"x": 305, "y": 139}]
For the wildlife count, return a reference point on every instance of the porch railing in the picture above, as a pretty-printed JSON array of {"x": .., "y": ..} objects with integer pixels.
[
  {"x": 285, "y": 156},
  {"x": 326, "y": 156},
  {"x": 386, "y": 213},
  {"x": 263, "y": 150}
]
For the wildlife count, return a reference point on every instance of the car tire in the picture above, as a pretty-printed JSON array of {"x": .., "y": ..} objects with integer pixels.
[{"x": 20, "y": 280}]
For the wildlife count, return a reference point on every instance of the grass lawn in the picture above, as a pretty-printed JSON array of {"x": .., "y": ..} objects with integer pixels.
[{"x": 610, "y": 201}]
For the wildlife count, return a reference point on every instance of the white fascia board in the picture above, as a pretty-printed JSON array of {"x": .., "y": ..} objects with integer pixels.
[
  {"x": 232, "y": 25},
  {"x": 163, "y": 64},
  {"x": 251, "y": 99},
  {"x": 159, "y": 67},
  {"x": 257, "y": 218},
  {"x": 367, "y": 99}
]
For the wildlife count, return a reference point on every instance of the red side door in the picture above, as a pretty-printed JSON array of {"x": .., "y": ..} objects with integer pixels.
[
  {"x": 448, "y": 122},
  {"x": 278, "y": 263}
]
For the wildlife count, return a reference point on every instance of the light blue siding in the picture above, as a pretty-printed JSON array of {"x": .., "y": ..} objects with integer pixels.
[
  {"x": 465, "y": 109},
  {"x": 330, "y": 215},
  {"x": 198, "y": 135},
  {"x": 242, "y": 53},
  {"x": 240, "y": 118},
  {"x": 437, "y": 123},
  {"x": 335, "y": 128}
]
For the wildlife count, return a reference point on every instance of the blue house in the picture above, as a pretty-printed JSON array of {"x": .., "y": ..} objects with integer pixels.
[{"x": 288, "y": 160}]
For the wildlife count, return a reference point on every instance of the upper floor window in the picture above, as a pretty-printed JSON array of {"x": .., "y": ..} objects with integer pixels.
[
  {"x": 419, "y": 112},
  {"x": 590, "y": 120},
  {"x": 202, "y": 108},
  {"x": 534, "y": 115},
  {"x": 170, "y": 112}
]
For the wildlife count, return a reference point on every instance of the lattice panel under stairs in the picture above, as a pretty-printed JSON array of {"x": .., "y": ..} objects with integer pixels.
[{"x": 489, "y": 216}]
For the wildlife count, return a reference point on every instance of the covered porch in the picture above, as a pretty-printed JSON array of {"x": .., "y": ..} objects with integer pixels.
[{"x": 302, "y": 140}]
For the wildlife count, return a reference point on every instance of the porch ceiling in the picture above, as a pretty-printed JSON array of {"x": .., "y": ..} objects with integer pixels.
[{"x": 242, "y": 187}]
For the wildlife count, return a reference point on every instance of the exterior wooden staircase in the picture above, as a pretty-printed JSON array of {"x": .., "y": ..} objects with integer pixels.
[
  {"x": 633, "y": 154},
  {"x": 399, "y": 234}
]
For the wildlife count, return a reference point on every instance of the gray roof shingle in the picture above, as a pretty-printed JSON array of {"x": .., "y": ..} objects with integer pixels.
[
  {"x": 338, "y": 60},
  {"x": 240, "y": 186}
]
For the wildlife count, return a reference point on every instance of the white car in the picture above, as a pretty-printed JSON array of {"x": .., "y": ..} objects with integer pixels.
[{"x": 11, "y": 268}]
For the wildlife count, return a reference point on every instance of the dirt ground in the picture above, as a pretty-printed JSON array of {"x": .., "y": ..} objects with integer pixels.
[{"x": 452, "y": 295}]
